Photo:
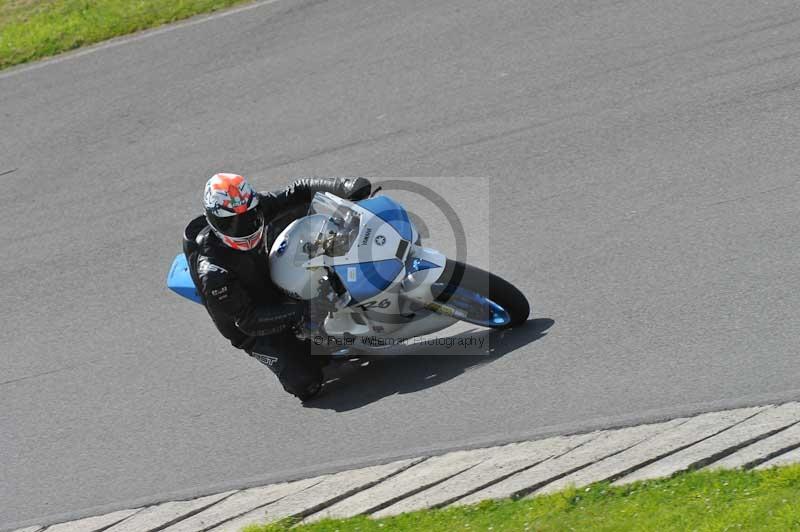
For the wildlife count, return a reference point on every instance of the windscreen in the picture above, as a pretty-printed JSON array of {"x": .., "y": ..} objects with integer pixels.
[{"x": 338, "y": 228}]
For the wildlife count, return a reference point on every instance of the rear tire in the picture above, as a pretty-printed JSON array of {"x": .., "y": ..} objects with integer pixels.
[{"x": 496, "y": 289}]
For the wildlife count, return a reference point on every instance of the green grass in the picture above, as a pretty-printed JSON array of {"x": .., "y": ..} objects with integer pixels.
[
  {"x": 32, "y": 29},
  {"x": 703, "y": 501}
]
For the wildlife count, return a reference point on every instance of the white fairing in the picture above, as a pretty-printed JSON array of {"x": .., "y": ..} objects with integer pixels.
[
  {"x": 287, "y": 263},
  {"x": 382, "y": 279}
]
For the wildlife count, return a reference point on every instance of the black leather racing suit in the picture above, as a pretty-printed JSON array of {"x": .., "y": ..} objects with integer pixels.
[{"x": 238, "y": 293}]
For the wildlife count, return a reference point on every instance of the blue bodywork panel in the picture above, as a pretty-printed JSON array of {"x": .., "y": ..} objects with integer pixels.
[
  {"x": 368, "y": 279},
  {"x": 180, "y": 281},
  {"x": 417, "y": 264},
  {"x": 390, "y": 212}
]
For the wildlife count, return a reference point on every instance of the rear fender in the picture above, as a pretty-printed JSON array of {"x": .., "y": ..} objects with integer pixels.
[{"x": 179, "y": 280}]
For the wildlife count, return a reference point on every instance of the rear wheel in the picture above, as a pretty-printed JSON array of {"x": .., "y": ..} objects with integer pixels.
[{"x": 470, "y": 294}]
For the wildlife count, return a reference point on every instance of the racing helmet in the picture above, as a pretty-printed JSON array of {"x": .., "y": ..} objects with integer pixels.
[{"x": 232, "y": 211}]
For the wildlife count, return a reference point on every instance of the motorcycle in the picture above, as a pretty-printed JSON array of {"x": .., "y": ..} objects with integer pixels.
[{"x": 364, "y": 262}]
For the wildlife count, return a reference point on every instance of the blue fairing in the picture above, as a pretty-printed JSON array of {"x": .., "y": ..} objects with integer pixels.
[
  {"x": 368, "y": 279},
  {"x": 416, "y": 264},
  {"x": 390, "y": 212},
  {"x": 180, "y": 281}
]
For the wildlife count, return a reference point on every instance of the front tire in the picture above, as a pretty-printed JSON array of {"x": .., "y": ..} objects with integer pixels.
[{"x": 462, "y": 291}]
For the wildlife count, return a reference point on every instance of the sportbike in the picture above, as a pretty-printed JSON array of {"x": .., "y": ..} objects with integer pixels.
[{"x": 365, "y": 263}]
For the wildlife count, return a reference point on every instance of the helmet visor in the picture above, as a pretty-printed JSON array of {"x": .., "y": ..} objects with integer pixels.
[{"x": 240, "y": 225}]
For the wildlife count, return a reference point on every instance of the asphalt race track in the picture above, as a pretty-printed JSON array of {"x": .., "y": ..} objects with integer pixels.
[{"x": 641, "y": 162}]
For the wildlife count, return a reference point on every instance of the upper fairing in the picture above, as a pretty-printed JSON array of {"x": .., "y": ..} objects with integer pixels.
[{"x": 377, "y": 259}]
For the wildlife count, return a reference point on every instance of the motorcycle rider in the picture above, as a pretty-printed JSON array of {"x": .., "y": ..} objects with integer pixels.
[{"x": 227, "y": 251}]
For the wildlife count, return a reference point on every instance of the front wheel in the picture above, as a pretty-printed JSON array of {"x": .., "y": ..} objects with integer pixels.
[{"x": 475, "y": 296}]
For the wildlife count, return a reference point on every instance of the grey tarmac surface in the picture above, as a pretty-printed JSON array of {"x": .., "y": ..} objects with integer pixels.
[{"x": 643, "y": 165}]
